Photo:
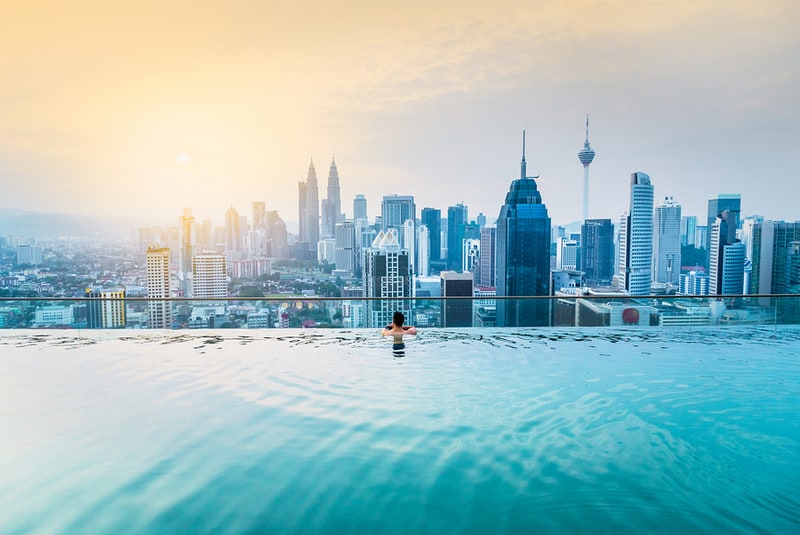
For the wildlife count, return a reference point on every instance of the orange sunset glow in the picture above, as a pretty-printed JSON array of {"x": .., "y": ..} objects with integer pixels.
[{"x": 141, "y": 109}]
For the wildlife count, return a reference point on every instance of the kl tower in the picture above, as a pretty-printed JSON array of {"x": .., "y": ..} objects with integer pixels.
[{"x": 586, "y": 156}]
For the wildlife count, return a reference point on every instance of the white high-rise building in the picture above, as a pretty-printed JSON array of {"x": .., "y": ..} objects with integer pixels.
[
  {"x": 158, "y": 288},
  {"x": 636, "y": 238},
  {"x": 567, "y": 254},
  {"x": 748, "y": 229},
  {"x": 409, "y": 243},
  {"x": 667, "y": 242},
  {"x": 694, "y": 283},
  {"x": 210, "y": 275},
  {"x": 387, "y": 275},
  {"x": 29, "y": 254},
  {"x": 423, "y": 252},
  {"x": 726, "y": 257},
  {"x": 486, "y": 273},
  {"x": 326, "y": 250},
  {"x": 470, "y": 255},
  {"x": 345, "y": 242}
]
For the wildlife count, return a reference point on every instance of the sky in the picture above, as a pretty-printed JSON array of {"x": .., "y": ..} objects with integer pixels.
[{"x": 139, "y": 109}]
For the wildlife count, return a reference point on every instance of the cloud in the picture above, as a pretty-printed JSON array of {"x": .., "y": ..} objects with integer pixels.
[{"x": 414, "y": 92}]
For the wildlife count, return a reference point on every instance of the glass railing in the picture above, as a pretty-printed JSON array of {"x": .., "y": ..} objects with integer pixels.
[{"x": 296, "y": 311}]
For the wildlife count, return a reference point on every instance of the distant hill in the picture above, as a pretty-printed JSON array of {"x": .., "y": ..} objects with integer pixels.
[
  {"x": 44, "y": 224},
  {"x": 572, "y": 227}
]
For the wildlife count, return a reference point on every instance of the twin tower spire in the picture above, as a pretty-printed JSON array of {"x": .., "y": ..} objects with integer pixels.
[
  {"x": 333, "y": 179},
  {"x": 309, "y": 206}
]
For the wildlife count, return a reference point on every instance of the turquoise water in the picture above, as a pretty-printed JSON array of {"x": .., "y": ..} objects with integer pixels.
[{"x": 474, "y": 431}]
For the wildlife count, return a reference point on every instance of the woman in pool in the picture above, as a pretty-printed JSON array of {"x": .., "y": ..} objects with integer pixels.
[{"x": 397, "y": 330}]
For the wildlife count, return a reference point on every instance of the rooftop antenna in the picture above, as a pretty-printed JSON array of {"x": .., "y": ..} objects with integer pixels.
[
  {"x": 523, "y": 170},
  {"x": 587, "y": 128}
]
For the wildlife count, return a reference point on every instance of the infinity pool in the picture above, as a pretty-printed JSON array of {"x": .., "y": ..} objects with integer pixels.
[{"x": 471, "y": 431}]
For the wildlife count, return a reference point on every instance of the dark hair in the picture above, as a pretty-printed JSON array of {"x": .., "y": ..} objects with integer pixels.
[{"x": 398, "y": 318}]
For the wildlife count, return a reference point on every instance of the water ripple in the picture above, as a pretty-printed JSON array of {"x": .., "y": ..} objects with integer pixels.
[{"x": 500, "y": 431}]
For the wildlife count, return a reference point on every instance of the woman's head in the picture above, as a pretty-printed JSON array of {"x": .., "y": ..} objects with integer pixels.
[{"x": 398, "y": 318}]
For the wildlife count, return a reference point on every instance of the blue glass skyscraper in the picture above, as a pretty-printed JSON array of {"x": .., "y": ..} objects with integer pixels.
[
  {"x": 523, "y": 254},
  {"x": 456, "y": 221},
  {"x": 432, "y": 218},
  {"x": 597, "y": 251}
]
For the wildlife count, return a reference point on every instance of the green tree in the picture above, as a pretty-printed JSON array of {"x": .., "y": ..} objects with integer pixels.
[
  {"x": 251, "y": 291},
  {"x": 693, "y": 256}
]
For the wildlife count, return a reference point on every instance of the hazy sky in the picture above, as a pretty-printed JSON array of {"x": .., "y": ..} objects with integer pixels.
[{"x": 141, "y": 109}]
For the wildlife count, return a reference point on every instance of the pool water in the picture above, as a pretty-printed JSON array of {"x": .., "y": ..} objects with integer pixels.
[{"x": 469, "y": 431}]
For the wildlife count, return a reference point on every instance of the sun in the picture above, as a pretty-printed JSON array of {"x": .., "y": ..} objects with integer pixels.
[{"x": 183, "y": 158}]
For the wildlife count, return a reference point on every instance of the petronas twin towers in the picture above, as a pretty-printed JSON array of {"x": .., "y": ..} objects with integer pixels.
[{"x": 309, "y": 207}]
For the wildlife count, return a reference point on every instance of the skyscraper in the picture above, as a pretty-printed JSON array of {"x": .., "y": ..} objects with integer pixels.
[
  {"x": 210, "y": 275},
  {"x": 259, "y": 215},
  {"x": 749, "y": 226},
  {"x": 257, "y": 238},
  {"x": 345, "y": 255},
  {"x": 302, "y": 200},
  {"x": 567, "y": 254},
  {"x": 726, "y": 256},
  {"x": 636, "y": 238},
  {"x": 410, "y": 244},
  {"x": 456, "y": 221},
  {"x": 456, "y": 312},
  {"x": 523, "y": 253},
  {"x": 716, "y": 205},
  {"x": 688, "y": 229},
  {"x": 309, "y": 209},
  {"x": 332, "y": 205},
  {"x": 386, "y": 275},
  {"x": 158, "y": 288},
  {"x": 432, "y": 218},
  {"x": 772, "y": 243},
  {"x": 667, "y": 242},
  {"x": 486, "y": 271},
  {"x": 188, "y": 240},
  {"x": 597, "y": 251},
  {"x": 205, "y": 235},
  {"x": 359, "y": 207},
  {"x": 423, "y": 251},
  {"x": 395, "y": 210},
  {"x": 470, "y": 254},
  {"x": 105, "y": 309},
  {"x": 265, "y": 232},
  {"x": 279, "y": 243},
  {"x": 586, "y": 156},
  {"x": 29, "y": 254},
  {"x": 233, "y": 236},
  {"x": 724, "y": 201},
  {"x": 789, "y": 309}
]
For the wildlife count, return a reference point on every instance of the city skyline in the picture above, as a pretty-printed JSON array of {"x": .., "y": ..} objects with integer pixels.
[{"x": 136, "y": 113}]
